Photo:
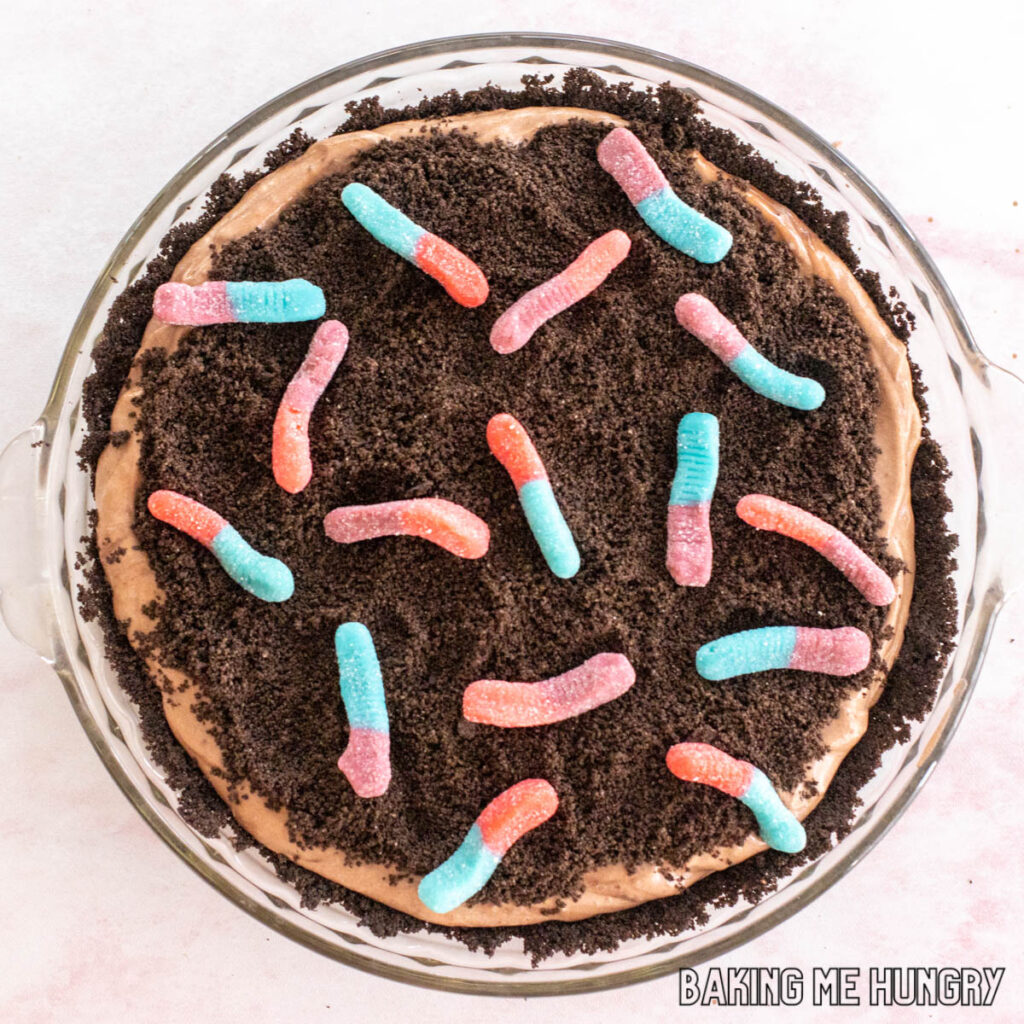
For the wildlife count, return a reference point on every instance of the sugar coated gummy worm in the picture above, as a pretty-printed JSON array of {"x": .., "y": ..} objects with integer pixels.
[
  {"x": 701, "y": 762},
  {"x": 597, "y": 681},
  {"x": 366, "y": 762},
  {"x": 504, "y": 820},
  {"x": 292, "y": 465},
  {"x": 460, "y": 277},
  {"x": 444, "y": 523},
  {"x": 765, "y": 513},
  {"x": 229, "y": 302},
  {"x": 624, "y": 157},
  {"x": 701, "y": 317},
  {"x": 512, "y": 447},
  {"x": 264, "y": 577},
  {"x": 514, "y": 328},
  {"x": 835, "y": 652},
  {"x": 689, "y": 504}
]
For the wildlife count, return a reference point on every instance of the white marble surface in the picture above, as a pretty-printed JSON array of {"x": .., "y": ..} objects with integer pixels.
[{"x": 99, "y": 920}]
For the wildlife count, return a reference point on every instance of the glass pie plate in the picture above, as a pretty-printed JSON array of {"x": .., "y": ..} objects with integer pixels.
[{"x": 45, "y": 497}]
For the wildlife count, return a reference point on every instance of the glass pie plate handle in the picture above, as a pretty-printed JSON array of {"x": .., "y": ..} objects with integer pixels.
[
  {"x": 27, "y": 554},
  {"x": 996, "y": 397}
]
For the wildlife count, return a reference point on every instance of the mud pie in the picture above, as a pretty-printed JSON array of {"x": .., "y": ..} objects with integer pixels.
[{"x": 595, "y": 681}]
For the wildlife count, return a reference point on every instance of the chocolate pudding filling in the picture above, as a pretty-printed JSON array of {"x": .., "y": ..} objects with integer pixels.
[{"x": 250, "y": 690}]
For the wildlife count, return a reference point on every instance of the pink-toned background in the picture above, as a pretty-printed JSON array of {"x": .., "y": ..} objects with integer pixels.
[{"x": 99, "y": 921}]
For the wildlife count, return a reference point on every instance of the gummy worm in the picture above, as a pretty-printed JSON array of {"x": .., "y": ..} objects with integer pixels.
[
  {"x": 264, "y": 577},
  {"x": 460, "y": 277},
  {"x": 514, "y": 328},
  {"x": 293, "y": 467},
  {"x": 835, "y": 652},
  {"x": 702, "y": 318},
  {"x": 624, "y": 157},
  {"x": 444, "y": 523},
  {"x": 765, "y": 513},
  {"x": 504, "y": 820},
  {"x": 512, "y": 447},
  {"x": 701, "y": 762},
  {"x": 689, "y": 504},
  {"x": 229, "y": 302},
  {"x": 597, "y": 681},
  {"x": 366, "y": 762}
]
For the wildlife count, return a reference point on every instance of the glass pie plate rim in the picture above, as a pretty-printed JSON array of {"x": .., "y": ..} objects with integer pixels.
[{"x": 37, "y": 577}]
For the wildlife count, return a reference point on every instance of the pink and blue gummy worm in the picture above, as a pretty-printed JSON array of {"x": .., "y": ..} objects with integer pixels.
[
  {"x": 703, "y": 319},
  {"x": 225, "y": 302},
  {"x": 505, "y": 820},
  {"x": 513, "y": 448},
  {"x": 626, "y": 159},
  {"x": 703, "y": 763},
  {"x": 689, "y": 503},
  {"x": 366, "y": 759},
  {"x": 264, "y": 577},
  {"x": 839, "y": 652},
  {"x": 453, "y": 269}
]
